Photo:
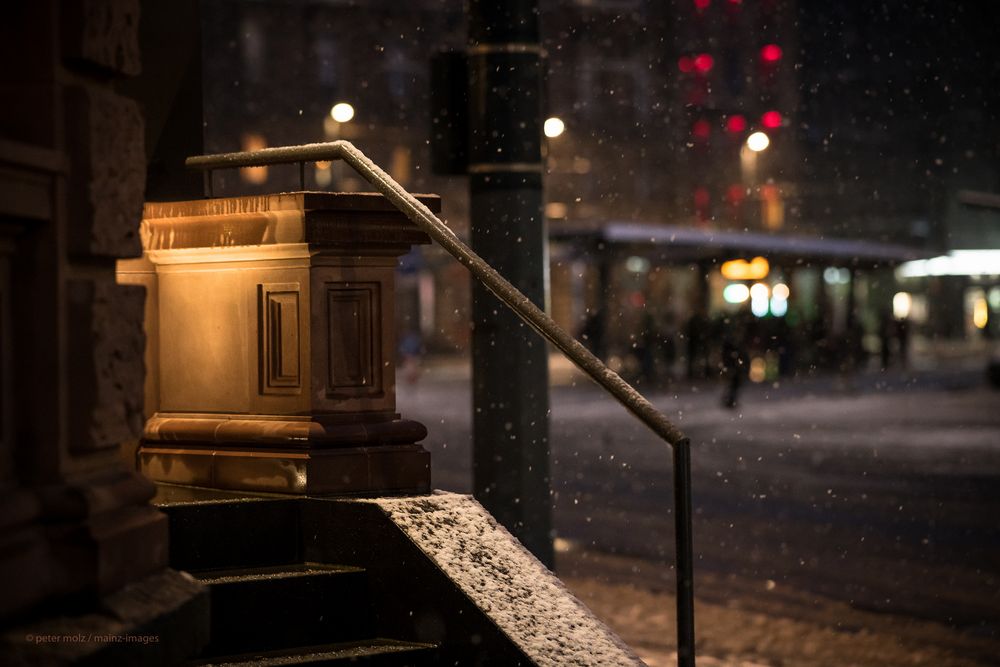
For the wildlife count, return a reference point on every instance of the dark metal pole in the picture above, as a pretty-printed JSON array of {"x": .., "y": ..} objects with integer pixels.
[
  {"x": 684, "y": 553},
  {"x": 510, "y": 459}
]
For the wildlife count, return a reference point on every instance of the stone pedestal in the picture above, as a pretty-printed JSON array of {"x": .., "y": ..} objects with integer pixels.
[{"x": 273, "y": 344}]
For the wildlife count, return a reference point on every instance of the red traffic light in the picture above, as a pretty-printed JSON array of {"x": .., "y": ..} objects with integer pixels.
[
  {"x": 771, "y": 119},
  {"x": 701, "y": 128},
  {"x": 703, "y": 62},
  {"x": 770, "y": 53}
]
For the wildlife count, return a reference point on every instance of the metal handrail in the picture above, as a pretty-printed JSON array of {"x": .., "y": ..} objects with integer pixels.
[{"x": 534, "y": 316}]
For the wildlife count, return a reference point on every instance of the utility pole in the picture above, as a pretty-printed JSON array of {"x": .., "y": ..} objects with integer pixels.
[{"x": 509, "y": 361}]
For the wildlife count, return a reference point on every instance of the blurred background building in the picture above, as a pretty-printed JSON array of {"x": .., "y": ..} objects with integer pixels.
[{"x": 752, "y": 126}]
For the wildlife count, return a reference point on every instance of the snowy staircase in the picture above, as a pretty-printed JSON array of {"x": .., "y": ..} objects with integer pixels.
[
  {"x": 268, "y": 605},
  {"x": 414, "y": 580}
]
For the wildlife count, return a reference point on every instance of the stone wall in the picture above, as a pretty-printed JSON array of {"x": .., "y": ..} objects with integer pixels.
[{"x": 75, "y": 522}]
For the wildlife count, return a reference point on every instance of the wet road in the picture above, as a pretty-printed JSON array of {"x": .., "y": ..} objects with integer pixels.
[{"x": 886, "y": 496}]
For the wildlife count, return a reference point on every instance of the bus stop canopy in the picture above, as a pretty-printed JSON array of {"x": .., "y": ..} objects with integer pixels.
[{"x": 673, "y": 243}]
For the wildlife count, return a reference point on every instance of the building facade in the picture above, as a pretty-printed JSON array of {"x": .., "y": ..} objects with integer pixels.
[{"x": 866, "y": 133}]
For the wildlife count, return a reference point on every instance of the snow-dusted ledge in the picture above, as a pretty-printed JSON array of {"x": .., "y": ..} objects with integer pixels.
[{"x": 526, "y": 601}]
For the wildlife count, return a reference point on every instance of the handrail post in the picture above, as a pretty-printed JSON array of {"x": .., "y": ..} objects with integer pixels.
[{"x": 684, "y": 553}]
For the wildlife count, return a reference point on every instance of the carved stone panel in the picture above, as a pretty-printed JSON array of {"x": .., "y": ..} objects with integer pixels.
[
  {"x": 206, "y": 331},
  {"x": 280, "y": 346},
  {"x": 354, "y": 340}
]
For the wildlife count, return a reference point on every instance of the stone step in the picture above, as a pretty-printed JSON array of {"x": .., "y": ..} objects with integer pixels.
[
  {"x": 240, "y": 532},
  {"x": 279, "y": 607},
  {"x": 370, "y": 653}
]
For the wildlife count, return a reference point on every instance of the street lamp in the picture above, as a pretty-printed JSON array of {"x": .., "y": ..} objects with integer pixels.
[
  {"x": 342, "y": 112},
  {"x": 749, "y": 152},
  {"x": 553, "y": 127},
  {"x": 758, "y": 141},
  {"x": 328, "y": 173}
]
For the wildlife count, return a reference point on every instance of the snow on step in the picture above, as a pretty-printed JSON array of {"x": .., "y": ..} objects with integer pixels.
[{"x": 526, "y": 601}]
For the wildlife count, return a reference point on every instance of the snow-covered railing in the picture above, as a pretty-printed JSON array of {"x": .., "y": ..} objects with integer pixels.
[{"x": 534, "y": 316}]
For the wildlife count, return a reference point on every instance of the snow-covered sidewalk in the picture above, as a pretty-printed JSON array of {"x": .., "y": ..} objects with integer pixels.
[{"x": 757, "y": 623}]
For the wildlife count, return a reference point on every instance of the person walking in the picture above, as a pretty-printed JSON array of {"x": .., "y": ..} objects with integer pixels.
[{"x": 734, "y": 360}]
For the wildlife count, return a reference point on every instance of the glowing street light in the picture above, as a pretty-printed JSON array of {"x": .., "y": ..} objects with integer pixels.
[
  {"x": 902, "y": 303},
  {"x": 759, "y": 291},
  {"x": 736, "y": 293},
  {"x": 757, "y": 142},
  {"x": 553, "y": 127},
  {"x": 342, "y": 112},
  {"x": 759, "y": 303},
  {"x": 740, "y": 269}
]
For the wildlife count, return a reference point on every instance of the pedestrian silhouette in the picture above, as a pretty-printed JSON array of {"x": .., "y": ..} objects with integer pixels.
[
  {"x": 734, "y": 359},
  {"x": 886, "y": 331},
  {"x": 696, "y": 333},
  {"x": 645, "y": 348},
  {"x": 592, "y": 333},
  {"x": 903, "y": 339}
]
